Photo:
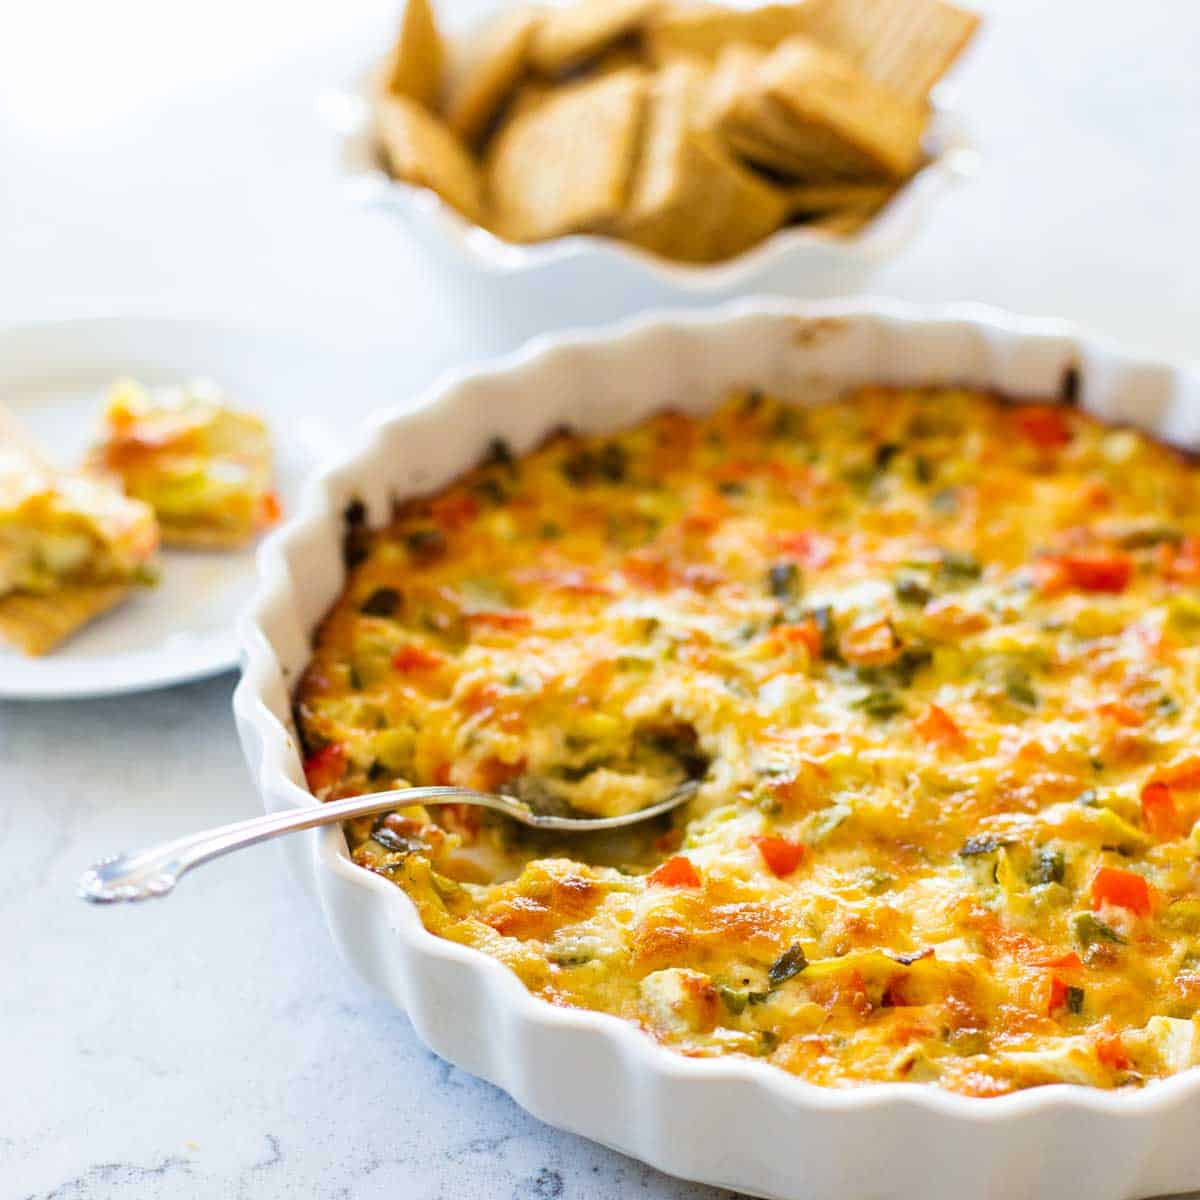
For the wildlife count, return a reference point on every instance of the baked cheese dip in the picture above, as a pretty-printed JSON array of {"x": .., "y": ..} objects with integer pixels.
[{"x": 933, "y": 660}]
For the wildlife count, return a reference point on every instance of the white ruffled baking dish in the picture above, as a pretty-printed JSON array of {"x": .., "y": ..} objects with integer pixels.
[
  {"x": 800, "y": 260},
  {"x": 739, "y": 1123}
]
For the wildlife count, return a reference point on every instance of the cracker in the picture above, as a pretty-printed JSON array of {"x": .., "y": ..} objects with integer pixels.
[
  {"x": 720, "y": 209},
  {"x": 207, "y": 537},
  {"x": 690, "y": 201},
  {"x": 419, "y": 149},
  {"x": 847, "y": 221},
  {"x": 569, "y": 36},
  {"x": 672, "y": 105},
  {"x": 36, "y": 623},
  {"x": 808, "y": 112},
  {"x": 835, "y": 197},
  {"x": 414, "y": 66},
  {"x": 530, "y": 94},
  {"x": 564, "y": 165},
  {"x": 484, "y": 80},
  {"x": 905, "y": 45},
  {"x": 705, "y": 30},
  {"x": 730, "y": 78}
]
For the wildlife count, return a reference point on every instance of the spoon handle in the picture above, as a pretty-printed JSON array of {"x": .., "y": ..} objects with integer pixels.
[{"x": 155, "y": 872}]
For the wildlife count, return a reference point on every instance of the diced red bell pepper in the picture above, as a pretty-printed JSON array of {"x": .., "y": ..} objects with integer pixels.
[
  {"x": 780, "y": 855},
  {"x": 1159, "y": 814},
  {"x": 1125, "y": 889},
  {"x": 501, "y": 619},
  {"x": 412, "y": 658},
  {"x": 324, "y": 768},
  {"x": 646, "y": 571},
  {"x": 269, "y": 510},
  {"x": 935, "y": 724},
  {"x": 1183, "y": 776},
  {"x": 1122, "y": 712},
  {"x": 675, "y": 872},
  {"x": 812, "y": 549},
  {"x": 1054, "y": 993},
  {"x": 1111, "y": 1051},
  {"x": 1093, "y": 572},
  {"x": 807, "y": 633},
  {"x": 454, "y": 510},
  {"x": 1045, "y": 425},
  {"x": 1070, "y": 961},
  {"x": 492, "y": 774}
]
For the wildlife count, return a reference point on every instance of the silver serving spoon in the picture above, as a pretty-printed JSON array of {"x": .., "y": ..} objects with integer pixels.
[{"x": 156, "y": 871}]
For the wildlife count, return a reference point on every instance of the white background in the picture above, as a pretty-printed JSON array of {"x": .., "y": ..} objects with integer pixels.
[{"x": 165, "y": 157}]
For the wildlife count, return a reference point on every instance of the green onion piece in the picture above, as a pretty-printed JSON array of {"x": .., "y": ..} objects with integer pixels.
[
  {"x": 959, "y": 566},
  {"x": 986, "y": 843},
  {"x": 880, "y": 704},
  {"x": 783, "y": 580},
  {"x": 382, "y": 602},
  {"x": 911, "y": 591},
  {"x": 1089, "y": 929},
  {"x": 791, "y": 962},
  {"x": 734, "y": 999}
]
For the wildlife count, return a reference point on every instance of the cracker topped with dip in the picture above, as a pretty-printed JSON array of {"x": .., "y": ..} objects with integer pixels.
[
  {"x": 689, "y": 128},
  {"x": 71, "y": 547},
  {"x": 203, "y": 467}
]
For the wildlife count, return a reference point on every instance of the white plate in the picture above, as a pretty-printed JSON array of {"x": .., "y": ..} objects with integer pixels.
[{"x": 53, "y": 375}]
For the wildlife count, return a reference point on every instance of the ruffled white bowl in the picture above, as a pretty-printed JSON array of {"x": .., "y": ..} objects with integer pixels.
[
  {"x": 800, "y": 260},
  {"x": 735, "y": 1122}
]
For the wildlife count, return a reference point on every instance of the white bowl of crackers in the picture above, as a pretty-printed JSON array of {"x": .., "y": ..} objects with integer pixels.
[{"x": 696, "y": 143}]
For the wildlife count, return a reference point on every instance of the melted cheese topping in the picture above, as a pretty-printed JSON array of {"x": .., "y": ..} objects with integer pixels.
[{"x": 934, "y": 660}]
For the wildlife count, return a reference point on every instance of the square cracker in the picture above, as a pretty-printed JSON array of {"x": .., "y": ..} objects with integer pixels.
[
  {"x": 419, "y": 149},
  {"x": 414, "y": 66},
  {"x": 37, "y": 623},
  {"x": 206, "y": 537},
  {"x": 906, "y": 45},
  {"x": 672, "y": 105},
  {"x": 571, "y": 35},
  {"x": 808, "y": 112},
  {"x": 705, "y": 30},
  {"x": 690, "y": 201},
  {"x": 731, "y": 78},
  {"x": 720, "y": 209},
  {"x": 484, "y": 79},
  {"x": 564, "y": 164},
  {"x": 812, "y": 198},
  {"x": 849, "y": 220}
]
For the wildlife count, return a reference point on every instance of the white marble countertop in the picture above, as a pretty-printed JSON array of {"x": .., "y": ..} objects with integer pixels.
[{"x": 165, "y": 158}]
